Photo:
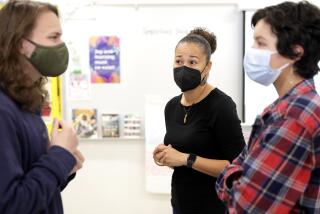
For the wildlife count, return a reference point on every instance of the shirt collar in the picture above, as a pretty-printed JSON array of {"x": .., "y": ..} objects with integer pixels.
[{"x": 281, "y": 104}]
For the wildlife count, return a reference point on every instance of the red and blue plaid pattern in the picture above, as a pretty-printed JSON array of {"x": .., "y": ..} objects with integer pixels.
[{"x": 279, "y": 170}]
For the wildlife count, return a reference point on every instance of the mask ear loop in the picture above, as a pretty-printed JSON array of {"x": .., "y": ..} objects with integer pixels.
[
  {"x": 32, "y": 42},
  {"x": 204, "y": 79}
]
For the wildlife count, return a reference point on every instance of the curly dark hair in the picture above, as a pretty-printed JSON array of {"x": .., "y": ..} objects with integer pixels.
[
  {"x": 204, "y": 38},
  {"x": 17, "y": 20},
  {"x": 295, "y": 24}
]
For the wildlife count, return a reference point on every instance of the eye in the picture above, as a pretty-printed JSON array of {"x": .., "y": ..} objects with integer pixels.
[
  {"x": 54, "y": 37},
  {"x": 193, "y": 62},
  {"x": 261, "y": 44},
  {"x": 178, "y": 61}
]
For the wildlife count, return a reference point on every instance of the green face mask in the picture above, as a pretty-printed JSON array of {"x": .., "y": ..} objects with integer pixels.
[{"x": 50, "y": 61}]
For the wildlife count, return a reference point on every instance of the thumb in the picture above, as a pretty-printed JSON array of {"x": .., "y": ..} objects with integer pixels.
[{"x": 169, "y": 145}]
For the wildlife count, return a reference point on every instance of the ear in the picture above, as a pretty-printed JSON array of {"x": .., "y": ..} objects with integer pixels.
[
  {"x": 23, "y": 47},
  {"x": 298, "y": 49},
  {"x": 26, "y": 48},
  {"x": 208, "y": 68}
]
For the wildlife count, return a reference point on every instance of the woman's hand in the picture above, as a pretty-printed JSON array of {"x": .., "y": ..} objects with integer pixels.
[
  {"x": 168, "y": 156},
  {"x": 63, "y": 135},
  {"x": 80, "y": 159}
]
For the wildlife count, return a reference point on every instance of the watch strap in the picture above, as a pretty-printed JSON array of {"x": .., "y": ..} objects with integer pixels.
[{"x": 191, "y": 159}]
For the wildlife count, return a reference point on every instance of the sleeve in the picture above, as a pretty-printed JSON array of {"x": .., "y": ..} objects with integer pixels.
[
  {"x": 274, "y": 173},
  {"x": 69, "y": 179},
  {"x": 28, "y": 191},
  {"x": 231, "y": 140},
  {"x": 230, "y": 173}
]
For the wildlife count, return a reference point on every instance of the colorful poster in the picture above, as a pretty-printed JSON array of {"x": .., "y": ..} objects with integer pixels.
[
  {"x": 105, "y": 59},
  {"x": 78, "y": 82}
]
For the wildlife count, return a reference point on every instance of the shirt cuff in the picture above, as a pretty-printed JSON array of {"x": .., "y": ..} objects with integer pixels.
[
  {"x": 226, "y": 179},
  {"x": 65, "y": 161}
]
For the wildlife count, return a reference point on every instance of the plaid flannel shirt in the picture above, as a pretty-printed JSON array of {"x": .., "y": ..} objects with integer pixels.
[{"x": 279, "y": 170}]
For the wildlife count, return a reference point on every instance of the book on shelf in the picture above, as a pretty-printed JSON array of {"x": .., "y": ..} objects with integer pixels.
[
  {"x": 85, "y": 122},
  {"x": 132, "y": 126},
  {"x": 110, "y": 125}
]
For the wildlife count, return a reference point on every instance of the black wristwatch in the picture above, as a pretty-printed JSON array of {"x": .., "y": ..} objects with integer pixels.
[{"x": 191, "y": 159}]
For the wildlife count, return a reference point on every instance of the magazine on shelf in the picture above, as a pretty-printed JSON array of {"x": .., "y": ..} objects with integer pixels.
[
  {"x": 132, "y": 126},
  {"x": 85, "y": 122},
  {"x": 110, "y": 125}
]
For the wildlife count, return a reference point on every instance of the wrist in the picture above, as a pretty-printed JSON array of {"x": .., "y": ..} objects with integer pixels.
[{"x": 184, "y": 159}]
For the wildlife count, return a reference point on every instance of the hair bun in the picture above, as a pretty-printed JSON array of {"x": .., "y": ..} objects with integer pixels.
[{"x": 209, "y": 36}]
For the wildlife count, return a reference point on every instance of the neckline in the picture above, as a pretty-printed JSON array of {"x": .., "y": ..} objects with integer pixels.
[{"x": 201, "y": 101}]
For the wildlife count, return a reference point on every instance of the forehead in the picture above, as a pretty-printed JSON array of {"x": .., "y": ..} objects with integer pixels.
[
  {"x": 189, "y": 49},
  {"x": 47, "y": 22},
  {"x": 263, "y": 30}
]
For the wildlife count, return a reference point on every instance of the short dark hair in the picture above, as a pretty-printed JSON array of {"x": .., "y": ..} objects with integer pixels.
[
  {"x": 207, "y": 40},
  {"x": 295, "y": 24}
]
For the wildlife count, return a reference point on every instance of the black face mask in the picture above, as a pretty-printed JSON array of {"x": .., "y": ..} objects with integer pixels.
[{"x": 187, "y": 78}]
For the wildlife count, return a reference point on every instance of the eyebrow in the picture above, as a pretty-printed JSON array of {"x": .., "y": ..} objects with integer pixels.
[
  {"x": 56, "y": 33},
  {"x": 191, "y": 56},
  {"x": 194, "y": 56},
  {"x": 259, "y": 37}
]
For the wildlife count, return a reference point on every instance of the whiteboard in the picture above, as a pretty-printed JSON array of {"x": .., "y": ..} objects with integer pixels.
[
  {"x": 158, "y": 179},
  {"x": 256, "y": 96},
  {"x": 147, "y": 46}
]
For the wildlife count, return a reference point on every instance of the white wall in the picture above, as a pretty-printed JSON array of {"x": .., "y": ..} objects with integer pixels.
[
  {"x": 113, "y": 182},
  {"x": 113, "y": 178}
]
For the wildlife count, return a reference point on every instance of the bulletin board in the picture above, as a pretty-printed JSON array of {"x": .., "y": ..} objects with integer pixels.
[{"x": 147, "y": 52}]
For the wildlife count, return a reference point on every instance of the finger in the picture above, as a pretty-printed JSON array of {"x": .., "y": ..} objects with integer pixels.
[
  {"x": 156, "y": 150},
  {"x": 158, "y": 163},
  {"x": 79, "y": 155},
  {"x": 159, "y": 148},
  {"x": 55, "y": 126},
  {"x": 79, "y": 163},
  {"x": 159, "y": 156},
  {"x": 163, "y": 160}
]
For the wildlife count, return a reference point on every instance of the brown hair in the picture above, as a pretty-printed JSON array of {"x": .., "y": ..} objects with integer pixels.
[
  {"x": 204, "y": 38},
  {"x": 17, "y": 20}
]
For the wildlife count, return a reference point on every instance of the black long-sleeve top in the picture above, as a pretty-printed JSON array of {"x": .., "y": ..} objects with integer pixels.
[{"x": 212, "y": 131}]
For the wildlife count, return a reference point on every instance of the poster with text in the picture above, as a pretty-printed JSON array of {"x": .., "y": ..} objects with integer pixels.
[{"x": 105, "y": 59}]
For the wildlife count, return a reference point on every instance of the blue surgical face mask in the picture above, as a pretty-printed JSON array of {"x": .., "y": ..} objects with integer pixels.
[{"x": 257, "y": 66}]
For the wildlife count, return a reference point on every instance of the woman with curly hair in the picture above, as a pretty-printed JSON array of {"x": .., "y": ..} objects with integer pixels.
[
  {"x": 34, "y": 170},
  {"x": 279, "y": 170}
]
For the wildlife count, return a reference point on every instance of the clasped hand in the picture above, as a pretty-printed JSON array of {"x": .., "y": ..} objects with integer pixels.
[{"x": 168, "y": 156}]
